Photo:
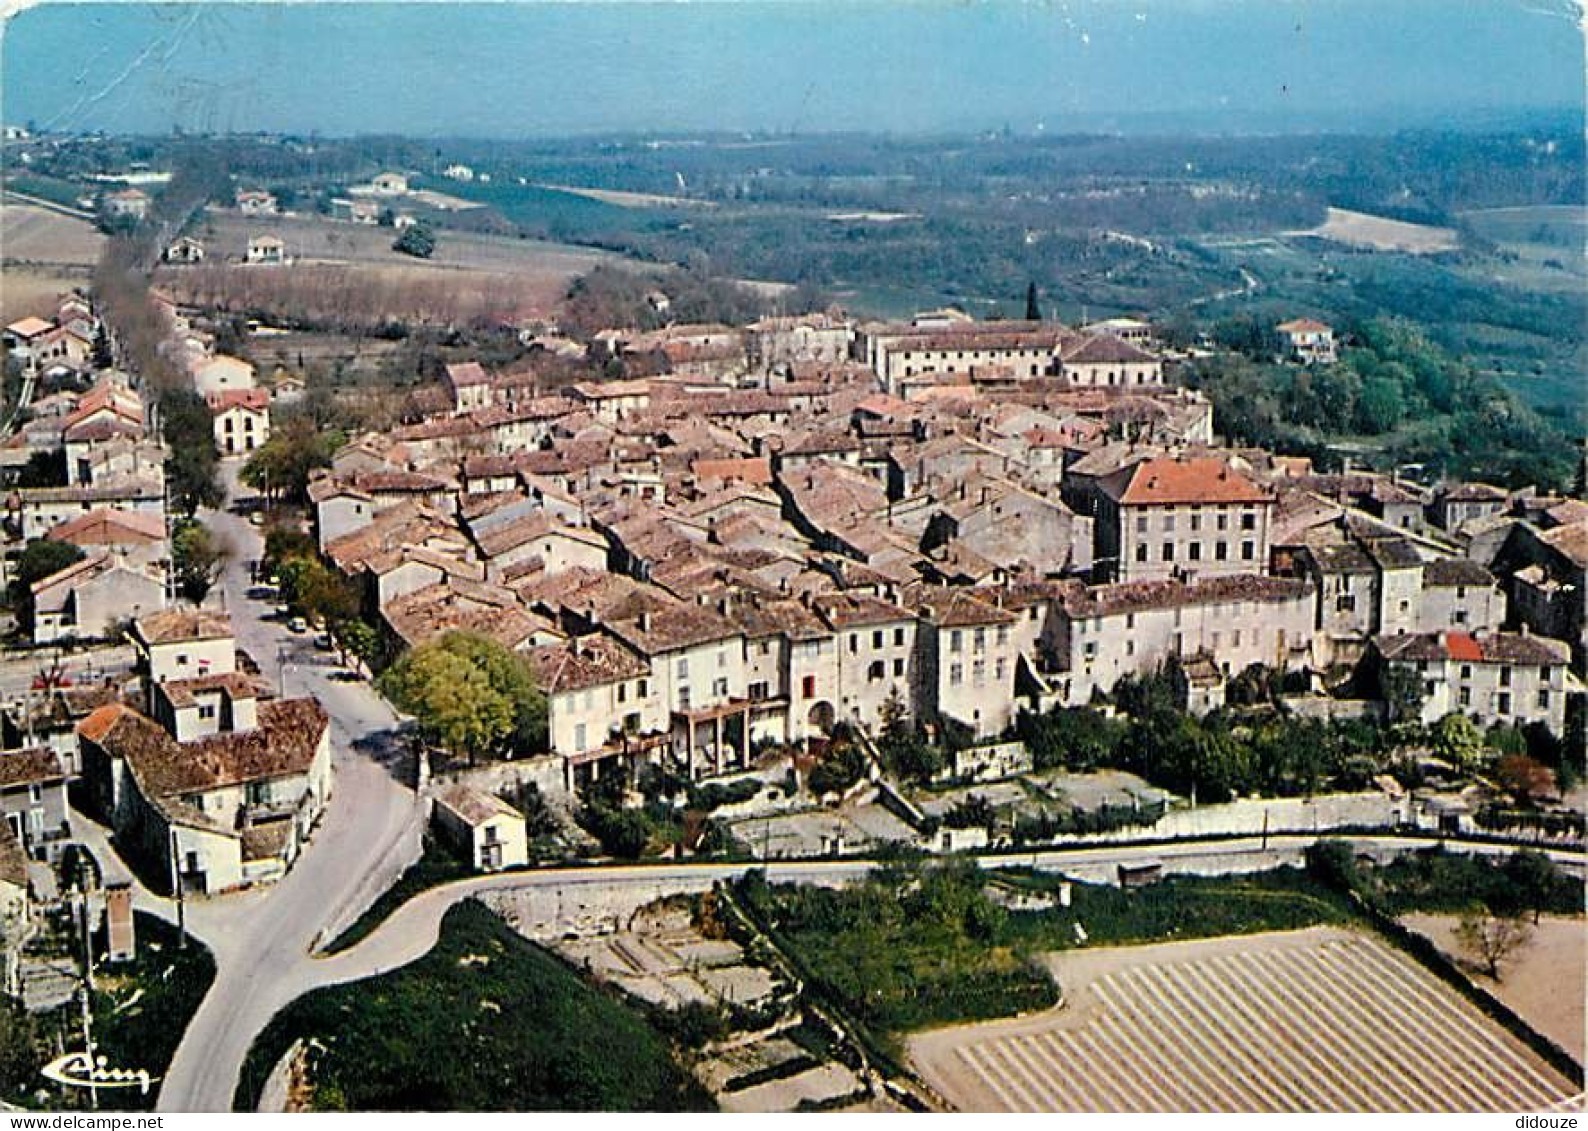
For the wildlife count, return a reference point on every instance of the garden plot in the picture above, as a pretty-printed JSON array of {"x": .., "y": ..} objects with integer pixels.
[
  {"x": 1315, "y": 1020},
  {"x": 662, "y": 958}
]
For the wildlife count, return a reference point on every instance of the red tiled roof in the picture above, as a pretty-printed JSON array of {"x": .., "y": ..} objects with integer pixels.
[{"x": 1202, "y": 479}]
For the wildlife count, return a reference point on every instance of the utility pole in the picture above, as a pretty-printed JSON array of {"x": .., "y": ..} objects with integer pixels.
[
  {"x": 176, "y": 892},
  {"x": 86, "y": 988}
]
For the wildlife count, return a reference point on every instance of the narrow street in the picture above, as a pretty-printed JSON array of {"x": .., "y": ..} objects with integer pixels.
[{"x": 370, "y": 833}]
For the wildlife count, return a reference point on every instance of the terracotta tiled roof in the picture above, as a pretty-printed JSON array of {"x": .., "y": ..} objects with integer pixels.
[
  {"x": 1491, "y": 648},
  {"x": 106, "y": 526},
  {"x": 33, "y": 766},
  {"x": 1167, "y": 481},
  {"x": 171, "y": 626},
  {"x": 1136, "y": 596},
  {"x": 583, "y": 662}
]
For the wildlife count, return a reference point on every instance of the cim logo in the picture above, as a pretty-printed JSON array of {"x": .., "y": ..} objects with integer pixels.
[{"x": 79, "y": 1070}]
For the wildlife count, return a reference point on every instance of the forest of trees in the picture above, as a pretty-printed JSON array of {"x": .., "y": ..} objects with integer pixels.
[{"x": 1395, "y": 394}]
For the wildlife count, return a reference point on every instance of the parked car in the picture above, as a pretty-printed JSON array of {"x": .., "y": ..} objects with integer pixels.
[
  {"x": 323, "y": 642},
  {"x": 297, "y": 624}
]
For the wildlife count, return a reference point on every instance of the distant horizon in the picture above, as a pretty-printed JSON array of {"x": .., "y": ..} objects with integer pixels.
[{"x": 775, "y": 68}]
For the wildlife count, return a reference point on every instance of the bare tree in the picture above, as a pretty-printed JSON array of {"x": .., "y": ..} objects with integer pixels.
[{"x": 1489, "y": 939}]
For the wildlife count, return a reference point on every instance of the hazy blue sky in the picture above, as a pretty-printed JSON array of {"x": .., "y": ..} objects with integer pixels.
[{"x": 514, "y": 70}]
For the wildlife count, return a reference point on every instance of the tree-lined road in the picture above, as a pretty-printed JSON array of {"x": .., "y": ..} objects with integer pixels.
[{"x": 370, "y": 833}]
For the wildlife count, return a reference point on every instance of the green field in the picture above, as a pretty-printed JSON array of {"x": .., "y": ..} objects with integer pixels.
[{"x": 485, "y": 1022}]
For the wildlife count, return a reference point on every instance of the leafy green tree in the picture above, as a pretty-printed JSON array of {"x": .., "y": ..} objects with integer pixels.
[
  {"x": 416, "y": 240},
  {"x": 1532, "y": 880},
  {"x": 454, "y": 707},
  {"x": 470, "y": 695},
  {"x": 280, "y": 467},
  {"x": 1381, "y": 406},
  {"x": 1457, "y": 740},
  {"x": 356, "y": 638},
  {"x": 197, "y": 559},
  {"x": 191, "y": 465}
]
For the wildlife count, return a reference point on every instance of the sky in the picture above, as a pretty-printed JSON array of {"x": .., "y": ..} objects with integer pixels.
[{"x": 515, "y": 70}]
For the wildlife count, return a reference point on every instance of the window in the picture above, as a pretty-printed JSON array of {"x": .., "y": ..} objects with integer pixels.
[
  {"x": 1248, "y": 551},
  {"x": 1505, "y": 675},
  {"x": 683, "y": 667},
  {"x": 623, "y": 693},
  {"x": 578, "y": 736},
  {"x": 1504, "y": 703},
  {"x": 207, "y": 711},
  {"x": 1196, "y": 523},
  {"x": 1141, "y": 524},
  {"x": 854, "y": 643},
  {"x": 1130, "y": 620},
  {"x": 1465, "y": 697},
  {"x": 898, "y": 637},
  {"x": 1466, "y": 671},
  {"x": 1461, "y": 616},
  {"x": 766, "y": 647},
  {"x": 808, "y": 687},
  {"x": 1003, "y": 634},
  {"x": 1223, "y": 521},
  {"x": 1168, "y": 524},
  {"x": 722, "y": 658},
  {"x": 758, "y": 689},
  {"x": 1130, "y": 647},
  {"x": 1543, "y": 672},
  {"x": 1248, "y": 521},
  {"x": 955, "y": 641},
  {"x": 978, "y": 673},
  {"x": 876, "y": 638},
  {"x": 1194, "y": 551},
  {"x": 876, "y": 671},
  {"x": 956, "y": 674},
  {"x": 1221, "y": 551},
  {"x": 645, "y": 688},
  {"x": 1141, "y": 552},
  {"x": 181, "y": 659},
  {"x": 980, "y": 639},
  {"x": 35, "y": 792},
  {"x": 683, "y": 698},
  {"x": 1543, "y": 698},
  {"x": 1217, "y": 637},
  {"x": 1168, "y": 551},
  {"x": 719, "y": 688},
  {"x": 898, "y": 668}
]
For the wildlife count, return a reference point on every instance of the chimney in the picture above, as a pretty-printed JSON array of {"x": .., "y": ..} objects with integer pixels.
[{"x": 119, "y": 930}]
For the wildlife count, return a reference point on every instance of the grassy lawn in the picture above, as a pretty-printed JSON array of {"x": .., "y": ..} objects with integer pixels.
[
  {"x": 486, "y": 1021},
  {"x": 916, "y": 947},
  {"x": 436, "y": 866}
]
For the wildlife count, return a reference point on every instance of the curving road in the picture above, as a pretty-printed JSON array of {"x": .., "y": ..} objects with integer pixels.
[
  {"x": 370, "y": 833},
  {"x": 414, "y": 928}
]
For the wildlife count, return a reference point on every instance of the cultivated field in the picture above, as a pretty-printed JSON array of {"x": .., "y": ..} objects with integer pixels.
[
  {"x": 35, "y": 235},
  {"x": 1317, "y": 1020},
  {"x": 1361, "y": 229},
  {"x": 318, "y": 238},
  {"x": 44, "y": 255}
]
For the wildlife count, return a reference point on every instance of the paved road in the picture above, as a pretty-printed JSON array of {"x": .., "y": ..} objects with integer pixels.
[{"x": 370, "y": 833}]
